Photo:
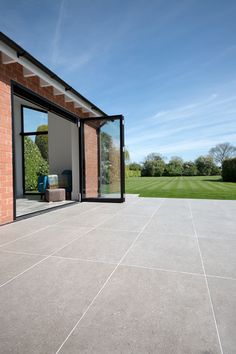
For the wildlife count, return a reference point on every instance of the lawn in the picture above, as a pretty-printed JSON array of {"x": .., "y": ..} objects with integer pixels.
[{"x": 199, "y": 187}]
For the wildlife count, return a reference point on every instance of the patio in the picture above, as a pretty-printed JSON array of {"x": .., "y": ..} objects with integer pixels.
[{"x": 147, "y": 276}]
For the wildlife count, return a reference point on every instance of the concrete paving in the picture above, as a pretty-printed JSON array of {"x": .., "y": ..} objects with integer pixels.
[
  {"x": 34, "y": 203},
  {"x": 147, "y": 276}
]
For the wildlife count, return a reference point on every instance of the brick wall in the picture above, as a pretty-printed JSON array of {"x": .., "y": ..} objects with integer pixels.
[
  {"x": 7, "y": 73},
  {"x": 6, "y": 179}
]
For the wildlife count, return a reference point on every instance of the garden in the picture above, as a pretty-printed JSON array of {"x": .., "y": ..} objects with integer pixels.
[{"x": 208, "y": 177}]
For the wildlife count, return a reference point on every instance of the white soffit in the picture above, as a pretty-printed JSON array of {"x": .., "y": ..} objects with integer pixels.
[
  {"x": 9, "y": 56},
  {"x": 28, "y": 73},
  {"x": 44, "y": 83}
]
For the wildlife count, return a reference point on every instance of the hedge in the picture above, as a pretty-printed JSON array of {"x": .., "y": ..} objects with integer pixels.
[
  {"x": 35, "y": 165},
  {"x": 132, "y": 173},
  {"x": 229, "y": 170}
]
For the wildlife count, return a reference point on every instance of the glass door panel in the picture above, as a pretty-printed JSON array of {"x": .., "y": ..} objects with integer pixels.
[{"x": 103, "y": 158}]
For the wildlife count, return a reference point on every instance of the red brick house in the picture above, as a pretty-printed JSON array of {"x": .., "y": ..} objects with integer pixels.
[{"x": 48, "y": 128}]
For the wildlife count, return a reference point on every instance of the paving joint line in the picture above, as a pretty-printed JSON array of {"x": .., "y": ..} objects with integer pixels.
[
  {"x": 44, "y": 228},
  {"x": 115, "y": 263},
  {"x": 108, "y": 278},
  {"x": 206, "y": 280},
  {"x": 58, "y": 249}
]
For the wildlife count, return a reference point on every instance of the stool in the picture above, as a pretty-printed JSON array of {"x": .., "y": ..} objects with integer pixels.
[{"x": 55, "y": 195}]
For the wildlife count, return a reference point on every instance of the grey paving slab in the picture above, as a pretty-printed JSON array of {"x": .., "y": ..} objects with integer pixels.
[
  {"x": 139, "y": 210},
  {"x": 214, "y": 210},
  {"x": 18, "y": 229},
  {"x": 40, "y": 308},
  {"x": 145, "y": 311},
  {"x": 109, "y": 208},
  {"x": 170, "y": 224},
  {"x": 47, "y": 241},
  {"x": 126, "y": 222},
  {"x": 223, "y": 294},
  {"x": 77, "y": 209},
  {"x": 175, "y": 252},
  {"x": 139, "y": 310},
  {"x": 149, "y": 201},
  {"x": 219, "y": 256},
  {"x": 88, "y": 219},
  {"x": 26, "y": 206},
  {"x": 30, "y": 225},
  {"x": 13, "y": 264},
  {"x": 215, "y": 226},
  {"x": 101, "y": 245}
]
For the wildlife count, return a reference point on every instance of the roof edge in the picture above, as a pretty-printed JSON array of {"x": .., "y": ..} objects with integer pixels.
[{"x": 21, "y": 52}]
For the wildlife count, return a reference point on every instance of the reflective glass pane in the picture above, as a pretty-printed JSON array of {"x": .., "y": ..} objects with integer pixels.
[
  {"x": 102, "y": 159},
  {"x": 34, "y": 120}
]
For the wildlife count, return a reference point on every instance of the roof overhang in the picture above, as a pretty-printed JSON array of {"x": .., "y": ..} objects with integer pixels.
[{"x": 13, "y": 53}]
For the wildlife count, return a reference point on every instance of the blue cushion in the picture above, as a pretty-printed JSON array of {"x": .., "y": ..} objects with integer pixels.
[{"x": 42, "y": 183}]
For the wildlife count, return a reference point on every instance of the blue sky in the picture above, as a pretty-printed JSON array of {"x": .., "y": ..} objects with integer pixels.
[{"x": 168, "y": 66}]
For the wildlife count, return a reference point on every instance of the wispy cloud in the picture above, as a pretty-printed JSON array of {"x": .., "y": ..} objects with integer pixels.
[
  {"x": 200, "y": 109},
  {"x": 196, "y": 147},
  {"x": 57, "y": 33},
  {"x": 207, "y": 121},
  {"x": 166, "y": 131}
]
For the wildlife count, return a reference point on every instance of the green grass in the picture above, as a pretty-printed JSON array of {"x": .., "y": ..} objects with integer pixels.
[{"x": 199, "y": 187}]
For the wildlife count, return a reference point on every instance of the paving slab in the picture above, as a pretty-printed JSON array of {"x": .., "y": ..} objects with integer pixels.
[
  {"x": 46, "y": 241},
  {"x": 145, "y": 311},
  {"x": 100, "y": 245},
  {"x": 219, "y": 256},
  {"x": 12, "y": 264},
  {"x": 168, "y": 252},
  {"x": 126, "y": 223},
  {"x": 223, "y": 294},
  {"x": 157, "y": 301},
  {"x": 171, "y": 224},
  {"x": 40, "y": 308}
]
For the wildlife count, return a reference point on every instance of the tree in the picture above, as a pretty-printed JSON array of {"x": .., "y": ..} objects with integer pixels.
[
  {"x": 189, "y": 169},
  {"x": 175, "y": 166},
  {"x": 154, "y": 157},
  {"x": 205, "y": 165},
  {"x": 134, "y": 166},
  {"x": 222, "y": 152},
  {"x": 42, "y": 141},
  {"x": 229, "y": 170},
  {"x": 153, "y": 165},
  {"x": 127, "y": 156}
]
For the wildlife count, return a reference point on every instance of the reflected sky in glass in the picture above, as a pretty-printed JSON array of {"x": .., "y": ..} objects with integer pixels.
[
  {"x": 33, "y": 119},
  {"x": 112, "y": 128}
]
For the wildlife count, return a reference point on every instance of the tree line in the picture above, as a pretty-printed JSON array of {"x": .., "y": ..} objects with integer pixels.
[{"x": 155, "y": 165}]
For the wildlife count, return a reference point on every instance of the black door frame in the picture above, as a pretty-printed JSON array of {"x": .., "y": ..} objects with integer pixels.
[
  {"x": 122, "y": 160},
  {"x": 30, "y": 96}
]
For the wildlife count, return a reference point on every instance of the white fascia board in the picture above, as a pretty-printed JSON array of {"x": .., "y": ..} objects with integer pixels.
[{"x": 42, "y": 75}]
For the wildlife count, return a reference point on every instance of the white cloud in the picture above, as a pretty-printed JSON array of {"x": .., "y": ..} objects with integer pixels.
[{"x": 57, "y": 33}]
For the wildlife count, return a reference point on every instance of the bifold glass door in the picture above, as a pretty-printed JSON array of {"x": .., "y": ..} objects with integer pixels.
[{"x": 102, "y": 158}]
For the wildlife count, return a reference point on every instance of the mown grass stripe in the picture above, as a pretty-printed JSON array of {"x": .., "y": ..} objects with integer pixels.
[{"x": 203, "y": 187}]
